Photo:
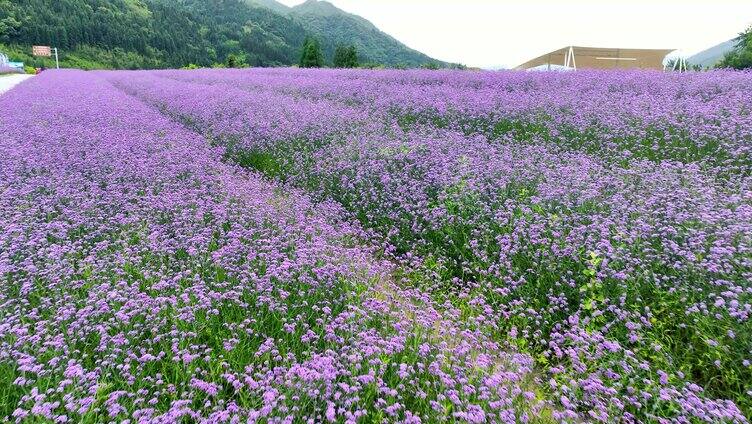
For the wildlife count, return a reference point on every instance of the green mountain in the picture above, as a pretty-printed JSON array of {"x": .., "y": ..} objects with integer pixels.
[
  {"x": 153, "y": 33},
  {"x": 334, "y": 27},
  {"x": 137, "y": 34}
]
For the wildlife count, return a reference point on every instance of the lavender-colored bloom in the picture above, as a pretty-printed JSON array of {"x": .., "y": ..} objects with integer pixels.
[
  {"x": 321, "y": 245},
  {"x": 149, "y": 280}
]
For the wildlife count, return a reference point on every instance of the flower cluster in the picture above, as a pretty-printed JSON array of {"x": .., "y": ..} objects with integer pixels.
[
  {"x": 147, "y": 279},
  {"x": 599, "y": 222}
]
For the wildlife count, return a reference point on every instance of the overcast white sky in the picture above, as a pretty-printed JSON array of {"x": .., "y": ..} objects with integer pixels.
[{"x": 492, "y": 33}]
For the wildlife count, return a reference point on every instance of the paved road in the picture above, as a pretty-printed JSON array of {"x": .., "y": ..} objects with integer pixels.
[{"x": 9, "y": 81}]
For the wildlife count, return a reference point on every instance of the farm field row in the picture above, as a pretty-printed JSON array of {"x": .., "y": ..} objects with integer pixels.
[{"x": 416, "y": 246}]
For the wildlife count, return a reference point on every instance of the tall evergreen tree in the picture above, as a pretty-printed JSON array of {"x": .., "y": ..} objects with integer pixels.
[
  {"x": 352, "y": 57},
  {"x": 345, "y": 57},
  {"x": 339, "y": 59},
  {"x": 311, "y": 56}
]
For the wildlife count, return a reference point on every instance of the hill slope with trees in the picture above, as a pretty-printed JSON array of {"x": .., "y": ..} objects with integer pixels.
[
  {"x": 137, "y": 34},
  {"x": 335, "y": 27}
]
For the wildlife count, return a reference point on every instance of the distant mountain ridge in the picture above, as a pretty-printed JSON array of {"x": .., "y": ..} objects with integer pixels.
[
  {"x": 710, "y": 57},
  {"x": 271, "y": 4},
  {"x": 138, "y": 34}
]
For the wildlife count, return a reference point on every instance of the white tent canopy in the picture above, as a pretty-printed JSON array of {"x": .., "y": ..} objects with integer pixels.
[{"x": 578, "y": 57}]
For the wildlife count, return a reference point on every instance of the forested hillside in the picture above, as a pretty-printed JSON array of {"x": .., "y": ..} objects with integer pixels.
[
  {"x": 335, "y": 27},
  {"x": 154, "y": 33},
  {"x": 174, "y": 33}
]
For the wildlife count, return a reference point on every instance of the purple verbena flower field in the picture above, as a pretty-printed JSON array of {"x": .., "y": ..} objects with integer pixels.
[{"x": 284, "y": 245}]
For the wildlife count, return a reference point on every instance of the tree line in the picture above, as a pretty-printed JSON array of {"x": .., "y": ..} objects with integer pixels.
[{"x": 312, "y": 57}]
